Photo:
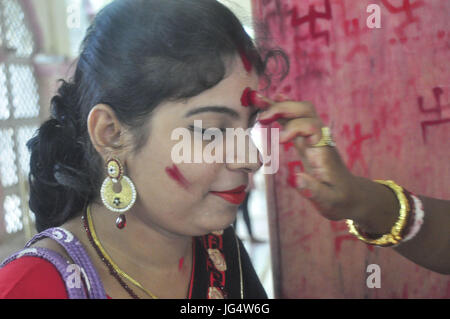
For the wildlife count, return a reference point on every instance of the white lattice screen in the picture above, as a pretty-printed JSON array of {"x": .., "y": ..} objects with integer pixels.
[{"x": 19, "y": 115}]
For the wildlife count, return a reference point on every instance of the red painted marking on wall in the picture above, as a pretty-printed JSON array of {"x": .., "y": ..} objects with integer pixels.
[
  {"x": 341, "y": 229},
  {"x": 407, "y": 8},
  {"x": 356, "y": 30},
  {"x": 426, "y": 124},
  {"x": 437, "y": 92},
  {"x": 287, "y": 146},
  {"x": 274, "y": 18},
  {"x": 340, "y": 239},
  {"x": 311, "y": 18},
  {"x": 292, "y": 168},
  {"x": 324, "y": 117},
  {"x": 176, "y": 175},
  {"x": 354, "y": 150},
  {"x": 338, "y": 226},
  {"x": 273, "y": 89},
  {"x": 287, "y": 89},
  {"x": 353, "y": 29},
  {"x": 180, "y": 263},
  {"x": 441, "y": 34}
]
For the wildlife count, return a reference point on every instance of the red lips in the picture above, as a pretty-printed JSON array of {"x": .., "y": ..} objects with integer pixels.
[{"x": 235, "y": 196}]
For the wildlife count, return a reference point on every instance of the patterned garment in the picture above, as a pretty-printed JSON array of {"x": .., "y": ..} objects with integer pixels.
[{"x": 220, "y": 270}]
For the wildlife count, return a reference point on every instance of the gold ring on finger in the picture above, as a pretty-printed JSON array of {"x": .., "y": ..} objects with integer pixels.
[{"x": 326, "y": 139}]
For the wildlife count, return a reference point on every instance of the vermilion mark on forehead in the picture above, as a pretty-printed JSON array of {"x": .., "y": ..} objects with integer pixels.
[
  {"x": 246, "y": 97},
  {"x": 246, "y": 61},
  {"x": 176, "y": 175},
  {"x": 251, "y": 98}
]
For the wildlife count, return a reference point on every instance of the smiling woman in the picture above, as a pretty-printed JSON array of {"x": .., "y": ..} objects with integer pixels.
[{"x": 103, "y": 160}]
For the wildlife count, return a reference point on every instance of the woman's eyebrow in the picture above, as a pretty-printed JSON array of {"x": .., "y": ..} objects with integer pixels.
[{"x": 217, "y": 109}]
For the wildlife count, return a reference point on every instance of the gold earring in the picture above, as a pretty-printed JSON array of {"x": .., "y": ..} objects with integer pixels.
[{"x": 120, "y": 201}]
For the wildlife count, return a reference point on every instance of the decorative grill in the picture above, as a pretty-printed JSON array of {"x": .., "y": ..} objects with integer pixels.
[
  {"x": 19, "y": 115},
  {"x": 17, "y": 36}
]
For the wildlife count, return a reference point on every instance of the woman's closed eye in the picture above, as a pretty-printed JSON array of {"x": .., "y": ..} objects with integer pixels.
[{"x": 209, "y": 131}]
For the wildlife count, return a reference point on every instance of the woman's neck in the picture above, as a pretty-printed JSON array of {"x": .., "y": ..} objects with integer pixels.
[{"x": 140, "y": 243}]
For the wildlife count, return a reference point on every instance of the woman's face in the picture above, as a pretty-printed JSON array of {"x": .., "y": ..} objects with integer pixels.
[{"x": 178, "y": 198}]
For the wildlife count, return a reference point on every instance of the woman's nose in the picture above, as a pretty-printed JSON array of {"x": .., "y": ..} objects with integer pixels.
[{"x": 246, "y": 157}]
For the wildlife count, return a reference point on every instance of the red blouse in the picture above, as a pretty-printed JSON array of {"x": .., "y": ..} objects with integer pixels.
[{"x": 31, "y": 278}]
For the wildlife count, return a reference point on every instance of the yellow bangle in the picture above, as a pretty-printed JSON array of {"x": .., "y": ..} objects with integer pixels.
[{"x": 395, "y": 236}]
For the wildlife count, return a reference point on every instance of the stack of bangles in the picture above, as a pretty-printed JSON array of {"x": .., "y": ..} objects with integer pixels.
[
  {"x": 407, "y": 226},
  {"x": 411, "y": 213}
]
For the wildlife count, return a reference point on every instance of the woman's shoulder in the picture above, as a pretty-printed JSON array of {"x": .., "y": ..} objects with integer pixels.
[
  {"x": 35, "y": 276},
  {"x": 30, "y": 277}
]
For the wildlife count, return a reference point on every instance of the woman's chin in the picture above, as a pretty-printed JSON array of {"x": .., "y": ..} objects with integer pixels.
[{"x": 220, "y": 222}]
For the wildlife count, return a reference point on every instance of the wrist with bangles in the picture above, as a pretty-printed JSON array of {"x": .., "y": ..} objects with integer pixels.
[
  {"x": 408, "y": 224},
  {"x": 410, "y": 215}
]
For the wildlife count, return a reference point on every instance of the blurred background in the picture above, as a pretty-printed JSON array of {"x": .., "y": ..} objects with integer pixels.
[{"x": 39, "y": 44}]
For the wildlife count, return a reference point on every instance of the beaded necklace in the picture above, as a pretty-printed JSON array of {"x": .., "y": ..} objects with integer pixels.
[{"x": 115, "y": 271}]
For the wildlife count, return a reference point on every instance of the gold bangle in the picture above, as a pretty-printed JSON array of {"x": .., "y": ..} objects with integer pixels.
[{"x": 395, "y": 236}]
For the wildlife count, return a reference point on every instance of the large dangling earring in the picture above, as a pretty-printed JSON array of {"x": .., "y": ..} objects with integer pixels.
[{"x": 118, "y": 192}]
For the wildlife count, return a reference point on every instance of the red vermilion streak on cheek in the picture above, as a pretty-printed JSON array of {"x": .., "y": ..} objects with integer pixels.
[
  {"x": 176, "y": 175},
  {"x": 180, "y": 264}
]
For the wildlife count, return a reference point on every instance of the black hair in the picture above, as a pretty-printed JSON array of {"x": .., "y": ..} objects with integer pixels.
[{"x": 136, "y": 54}]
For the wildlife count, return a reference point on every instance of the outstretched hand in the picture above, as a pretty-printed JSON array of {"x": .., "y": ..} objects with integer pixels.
[{"x": 326, "y": 181}]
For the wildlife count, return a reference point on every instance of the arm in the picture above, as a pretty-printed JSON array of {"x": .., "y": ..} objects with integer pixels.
[
  {"x": 376, "y": 210},
  {"x": 338, "y": 194}
]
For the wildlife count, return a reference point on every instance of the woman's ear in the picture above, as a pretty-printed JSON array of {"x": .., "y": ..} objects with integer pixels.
[{"x": 105, "y": 130}]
